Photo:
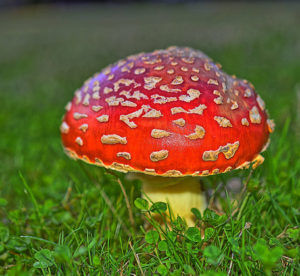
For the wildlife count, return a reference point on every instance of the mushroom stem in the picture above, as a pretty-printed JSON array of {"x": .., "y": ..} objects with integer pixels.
[{"x": 182, "y": 194}]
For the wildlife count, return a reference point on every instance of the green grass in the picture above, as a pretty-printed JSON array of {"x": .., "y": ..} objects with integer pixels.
[{"x": 62, "y": 217}]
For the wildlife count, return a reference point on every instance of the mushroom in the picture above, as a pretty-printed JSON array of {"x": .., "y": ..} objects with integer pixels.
[{"x": 168, "y": 117}]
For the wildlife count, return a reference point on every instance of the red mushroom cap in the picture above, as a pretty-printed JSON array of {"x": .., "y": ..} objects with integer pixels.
[{"x": 171, "y": 112}]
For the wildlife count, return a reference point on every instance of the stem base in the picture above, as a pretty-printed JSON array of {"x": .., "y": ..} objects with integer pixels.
[{"x": 182, "y": 194}]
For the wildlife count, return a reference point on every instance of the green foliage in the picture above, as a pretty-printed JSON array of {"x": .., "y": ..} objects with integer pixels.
[
  {"x": 162, "y": 246},
  {"x": 63, "y": 253},
  {"x": 293, "y": 234},
  {"x": 213, "y": 273},
  {"x": 193, "y": 234},
  {"x": 196, "y": 213},
  {"x": 4, "y": 234},
  {"x": 55, "y": 218},
  {"x": 268, "y": 257},
  {"x": 189, "y": 270},
  {"x": 208, "y": 233},
  {"x": 158, "y": 207},
  {"x": 162, "y": 269},
  {"x": 212, "y": 254},
  {"x": 152, "y": 237},
  {"x": 141, "y": 204},
  {"x": 44, "y": 259},
  {"x": 211, "y": 218},
  {"x": 3, "y": 202}
]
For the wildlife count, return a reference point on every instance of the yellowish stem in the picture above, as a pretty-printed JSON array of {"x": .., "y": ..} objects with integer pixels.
[{"x": 182, "y": 194}]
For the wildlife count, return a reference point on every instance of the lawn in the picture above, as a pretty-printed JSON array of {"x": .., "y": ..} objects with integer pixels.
[{"x": 62, "y": 217}]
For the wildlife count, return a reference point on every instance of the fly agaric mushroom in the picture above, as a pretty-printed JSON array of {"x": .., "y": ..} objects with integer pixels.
[{"x": 169, "y": 116}]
